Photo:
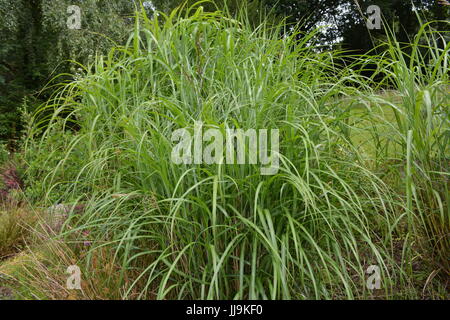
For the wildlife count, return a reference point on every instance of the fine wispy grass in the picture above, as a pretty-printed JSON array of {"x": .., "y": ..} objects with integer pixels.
[{"x": 225, "y": 231}]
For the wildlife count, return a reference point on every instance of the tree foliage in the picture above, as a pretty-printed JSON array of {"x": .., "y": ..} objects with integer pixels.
[
  {"x": 37, "y": 45},
  {"x": 346, "y": 18}
]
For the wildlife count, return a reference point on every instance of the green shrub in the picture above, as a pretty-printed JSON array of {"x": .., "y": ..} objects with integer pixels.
[
  {"x": 224, "y": 231},
  {"x": 4, "y": 153}
]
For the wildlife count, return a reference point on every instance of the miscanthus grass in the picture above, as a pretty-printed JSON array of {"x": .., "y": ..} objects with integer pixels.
[{"x": 224, "y": 231}]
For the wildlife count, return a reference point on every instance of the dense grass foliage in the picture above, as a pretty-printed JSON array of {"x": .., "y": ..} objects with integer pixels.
[{"x": 201, "y": 231}]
